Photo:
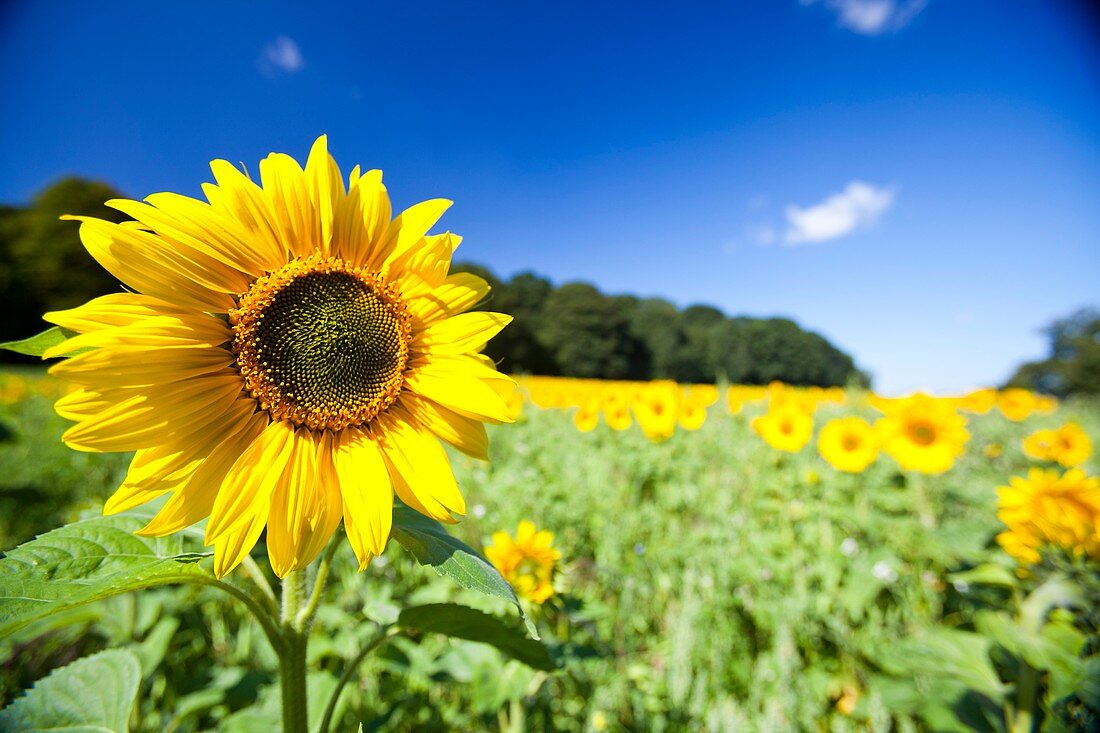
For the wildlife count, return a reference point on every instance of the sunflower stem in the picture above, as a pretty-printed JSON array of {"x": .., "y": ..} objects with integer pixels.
[
  {"x": 292, "y": 660},
  {"x": 305, "y": 616}
]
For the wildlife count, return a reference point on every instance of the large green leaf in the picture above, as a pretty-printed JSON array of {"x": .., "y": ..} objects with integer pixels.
[
  {"x": 38, "y": 344},
  {"x": 91, "y": 695},
  {"x": 431, "y": 544},
  {"x": 86, "y": 561},
  {"x": 463, "y": 622}
]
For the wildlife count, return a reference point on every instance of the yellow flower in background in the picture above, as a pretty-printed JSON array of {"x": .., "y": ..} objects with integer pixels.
[
  {"x": 287, "y": 357},
  {"x": 616, "y": 411},
  {"x": 527, "y": 562},
  {"x": 923, "y": 433},
  {"x": 692, "y": 413},
  {"x": 1017, "y": 404},
  {"x": 657, "y": 410},
  {"x": 978, "y": 402},
  {"x": 785, "y": 427},
  {"x": 848, "y": 444},
  {"x": 1069, "y": 445},
  {"x": 587, "y": 416},
  {"x": 1050, "y": 509}
]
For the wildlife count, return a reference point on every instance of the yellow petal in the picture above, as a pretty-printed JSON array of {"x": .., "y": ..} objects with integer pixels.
[
  {"x": 141, "y": 367},
  {"x": 367, "y": 494},
  {"x": 235, "y": 545},
  {"x": 462, "y": 393},
  {"x": 187, "y": 223},
  {"x": 151, "y": 333},
  {"x": 421, "y": 473},
  {"x": 457, "y": 294},
  {"x": 245, "y": 493},
  {"x": 326, "y": 188},
  {"x": 304, "y": 510},
  {"x": 110, "y": 311},
  {"x": 237, "y": 196},
  {"x": 146, "y": 264},
  {"x": 462, "y": 333},
  {"x": 406, "y": 230},
  {"x": 285, "y": 186},
  {"x": 145, "y": 420},
  {"x": 464, "y": 433},
  {"x": 195, "y": 499}
]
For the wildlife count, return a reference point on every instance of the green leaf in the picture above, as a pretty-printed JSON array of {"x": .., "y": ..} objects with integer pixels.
[
  {"x": 431, "y": 545},
  {"x": 38, "y": 344},
  {"x": 86, "y": 561},
  {"x": 462, "y": 622},
  {"x": 91, "y": 695},
  {"x": 987, "y": 574}
]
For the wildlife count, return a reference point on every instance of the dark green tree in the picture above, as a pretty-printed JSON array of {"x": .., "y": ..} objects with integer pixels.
[
  {"x": 589, "y": 335},
  {"x": 1073, "y": 366}
]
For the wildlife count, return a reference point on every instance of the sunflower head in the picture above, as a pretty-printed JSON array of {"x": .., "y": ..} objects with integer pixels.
[
  {"x": 528, "y": 562},
  {"x": 785, "y": 427},
  {"x": 288, "y": 356},
  {"x": 922, "y": 433},
  {"x": 849, "y": 444},
  {"x": 1050, "y": 509}
]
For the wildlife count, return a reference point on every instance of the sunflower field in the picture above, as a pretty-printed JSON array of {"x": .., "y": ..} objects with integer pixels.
[{"x": 692, "y": 557}]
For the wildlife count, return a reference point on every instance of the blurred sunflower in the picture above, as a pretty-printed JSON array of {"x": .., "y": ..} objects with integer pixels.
[
  {"x": 1050, "y": 509},
  {"x": 1017, "y": 404},
  {"x": 289, "y": 358},
  {"x": 1069, "y": 445},
  {"x": 923, "y": 433},
  {"x": 848, "y": 444},
  {"x": 785, "y": 427},
  {"x": 527, "y": 562},
  {"x": 657, "y": 408}
]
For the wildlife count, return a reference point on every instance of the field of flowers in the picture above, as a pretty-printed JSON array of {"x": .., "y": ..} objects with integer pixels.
[{"x": 696, "y": 558}]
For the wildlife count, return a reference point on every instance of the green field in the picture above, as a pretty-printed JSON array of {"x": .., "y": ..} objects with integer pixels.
[{"x": 707, "y": 583}]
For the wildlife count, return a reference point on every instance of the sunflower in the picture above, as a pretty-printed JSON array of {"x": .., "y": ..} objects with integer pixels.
[
  {"x": 923, "y": 433},
  {"x": 656, "y": 408},
  {"x": 785, "y": 427},
  {"x": 1069, "y": 445},
  {"x": 527, "y": 562},
  {"x": 1050, "y": 509},
  {"x": 848, "y": 444},
  {"x": 1018, "y": 404},
  {"x": 288, "y": 357}
]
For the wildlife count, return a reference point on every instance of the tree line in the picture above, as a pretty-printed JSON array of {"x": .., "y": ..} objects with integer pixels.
[{"x": 568, "y": 330}]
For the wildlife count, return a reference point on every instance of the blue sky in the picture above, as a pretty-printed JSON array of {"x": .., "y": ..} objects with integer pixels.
[{"x": 918, "y": 181}]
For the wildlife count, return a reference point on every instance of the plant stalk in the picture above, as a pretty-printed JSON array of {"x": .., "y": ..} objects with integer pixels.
[{"x": 292, "y": 659}]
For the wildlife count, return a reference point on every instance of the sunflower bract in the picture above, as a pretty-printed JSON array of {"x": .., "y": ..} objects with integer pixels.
[{"x": 290, "y": 357}]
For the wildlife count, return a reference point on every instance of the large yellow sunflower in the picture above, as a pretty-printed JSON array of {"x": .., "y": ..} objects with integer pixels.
[
  {"x": 289, "y": 357},
  {"x": 1050, "y": 509}
]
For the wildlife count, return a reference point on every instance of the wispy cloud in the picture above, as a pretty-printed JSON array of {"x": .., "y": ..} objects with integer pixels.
[
  {"x": 858, "y": 205},
  {"x": 872, "y": 17},
  {"x": 281, "y": 55}
]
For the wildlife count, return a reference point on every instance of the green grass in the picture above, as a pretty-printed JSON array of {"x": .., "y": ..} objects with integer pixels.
[{"x": 707, "y": 583}]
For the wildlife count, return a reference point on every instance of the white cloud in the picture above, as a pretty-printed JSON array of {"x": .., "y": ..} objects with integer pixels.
[
  {"x": 872, "y": 17},
  {"x": 282, "y": 54},
  {"x": 763, "y": 235},
  {"x": 858, "y": 205}
]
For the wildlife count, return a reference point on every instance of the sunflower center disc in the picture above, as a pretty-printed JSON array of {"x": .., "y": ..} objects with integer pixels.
[{"x": 321, "y": 344}]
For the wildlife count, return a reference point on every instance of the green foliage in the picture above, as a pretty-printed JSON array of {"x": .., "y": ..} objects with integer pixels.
[
  {"x": 1073, "y": 366},
  {"x": 39, "y": 343},
  {"x": 91, "y": 695},
  {"x": 432, "y": 545},
  {"x": 84, "y": 562},
  {"x": 575, "y": 330},
  {"x": 462, "y": 622},
  {"x": 43, "y": 265},
  {"x": 707, "y": 583}
]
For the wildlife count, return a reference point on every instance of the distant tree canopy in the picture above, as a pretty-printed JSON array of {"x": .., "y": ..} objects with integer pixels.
[
  {"x": 43, "y": 265},
  {"x": 572, "y": 330},
  {"x": 1073, "y": 366},
  {"x": 576, "y": 331}
]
